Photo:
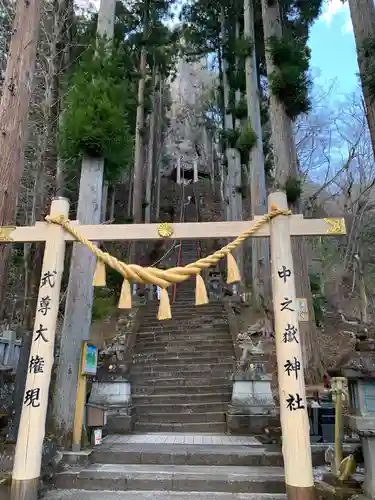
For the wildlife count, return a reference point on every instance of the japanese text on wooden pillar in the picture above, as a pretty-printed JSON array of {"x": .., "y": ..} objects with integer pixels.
[
  {"x": 32, "y": 426},
  {"x": 293, "y": 407}
]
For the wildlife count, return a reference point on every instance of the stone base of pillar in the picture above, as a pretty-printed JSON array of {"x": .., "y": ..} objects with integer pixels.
[
  {"x": 368, "y": 448},
  {"x": 252, "y": 409},
  {"x": 242, "y": 422},
  {"x": 120, "y": 420},
  {"x": 25, "y": 489}
]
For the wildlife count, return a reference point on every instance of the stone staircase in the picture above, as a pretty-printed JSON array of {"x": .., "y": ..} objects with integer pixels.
[
  {"x": 181, "y": 373},
  {"x": 176, "y": 467},
  {"x": 124, "y": 468}
]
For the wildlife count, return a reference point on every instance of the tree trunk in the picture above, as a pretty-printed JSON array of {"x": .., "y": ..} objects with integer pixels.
[
  {"x": 361, "y": 289},
  {"x": 112, "y": 200},
  {"x": 363, "y": 19},
  {"x": 44, "y": 186},
  {"x": 237, "y": 174},
  {"x": 106, "y": 19},
  {"x": 285, "y": 165},
  {"x": 14, "y": 106},
  {"x": 103, "y": 211},
  {"x": 230, "y": 152},
  {"x": 78, "y": 307},
  {"x": 138, "y": 154},
  {"x": 151, "y": 148},
  {"x": 64, "y": 28},
  {"x": 160, "y": 146},
  {"x": 222, "y": 166},
  {"x": 80, "y": 294},
  {"x": 261, "y": 269}
]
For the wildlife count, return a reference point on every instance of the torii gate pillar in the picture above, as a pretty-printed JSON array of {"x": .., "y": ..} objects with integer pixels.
[
  {"x": 28, "y": 455},
  {"x": 296, "y": 447}
]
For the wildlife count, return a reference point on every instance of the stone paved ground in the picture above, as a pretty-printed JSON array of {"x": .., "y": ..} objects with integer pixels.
[
  {"x": 157, "y": 495},
  {"x": 186, "y": 438}
]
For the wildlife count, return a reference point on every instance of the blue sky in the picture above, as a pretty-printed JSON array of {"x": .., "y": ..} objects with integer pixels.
[{"x": 333, "y": 48}]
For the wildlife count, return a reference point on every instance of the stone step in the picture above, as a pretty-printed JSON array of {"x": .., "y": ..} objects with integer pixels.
[
  {"x": 166, "y": 391},
  {"x": 182, "y": 370},
  {"x": 120, "y": 477},
  {"x": 237, "y": 455},
  {"x": 180, "y": 338},
  {"x": 186, "y": 408},
  {"x": 143, "y": 359},
  {"x": 181, "y": 398},
  {"x": 183, "y": 338},
  {"x": 184, "y": 326},
  {"x": 192, "y": 363},
  {"x": 186, "y": 300},
  {"x": 193, "y": 381},
  {"x": 184, "y": 312},
  {"x": 187, "y": 323},
  {"x": 157, "y": 495},
  {"x": 180, "y": 418},
  {"x": 182, "y": 352},
  {"x": 196, "y": 427}
]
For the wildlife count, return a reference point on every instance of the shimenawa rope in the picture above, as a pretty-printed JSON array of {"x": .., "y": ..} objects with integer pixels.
[{"x": 160, "y": 277}]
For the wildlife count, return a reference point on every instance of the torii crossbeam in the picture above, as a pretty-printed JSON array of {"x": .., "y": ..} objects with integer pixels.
[
  {"x": 293, "y": 407},
  {"x": 181, "y": 230}
]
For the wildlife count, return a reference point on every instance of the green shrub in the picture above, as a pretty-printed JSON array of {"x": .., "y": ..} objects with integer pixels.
[
  {"x": 368, "y": 75},
  {"x": 246, "y": 141},
  {"x": 290, "y": 81},
  {"x": 293, "y": 189},
  {"x": 103, "y": 307},
  {"x": 95, "y": 113},
  {"x": 243, "y": 47},
  {"x": 230, "y": 138}
]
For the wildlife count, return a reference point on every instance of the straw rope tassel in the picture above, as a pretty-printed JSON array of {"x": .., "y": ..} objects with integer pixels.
[
  {"x": 200, "y": 291},
  {"x": 125, "y": 301},
  {"x": 233, "y": 273},
  {"x": 164, "y": 305},
  {"x": 99, "y": 275}
]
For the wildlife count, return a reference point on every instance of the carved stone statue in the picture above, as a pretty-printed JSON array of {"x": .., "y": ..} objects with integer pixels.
[{"x": 251, "y": 343}]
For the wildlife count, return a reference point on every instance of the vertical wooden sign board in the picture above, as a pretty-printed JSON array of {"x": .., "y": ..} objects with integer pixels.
[
  {"x": 88, "y": 366},
  {"x": 28, "y": 455},
  {"x": 293, "y": 406}
]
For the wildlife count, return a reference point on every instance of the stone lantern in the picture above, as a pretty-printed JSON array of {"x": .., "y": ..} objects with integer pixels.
[{"x": 358, "y": 367}]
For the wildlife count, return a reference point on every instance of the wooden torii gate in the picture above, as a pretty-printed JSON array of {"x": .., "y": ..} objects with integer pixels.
[{"x": 293, "y": 408}]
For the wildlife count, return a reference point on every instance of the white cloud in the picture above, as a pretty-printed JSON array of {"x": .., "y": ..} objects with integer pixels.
[
  {"x": 348, "y": 28},
  {"x": 85, "y": 4},
  {"x": 333, "y": 8}
]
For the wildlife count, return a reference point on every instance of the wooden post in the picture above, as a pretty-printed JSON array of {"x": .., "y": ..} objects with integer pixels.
[
  {"x": 28, "y": 455},
  {"x": 293, "y": 406},
  {"x": 337, "y": 384},
  {"x": 178, "y": 174},
  {"x": 195, "y": 170},
  {"x": 80, "y": 407}
]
